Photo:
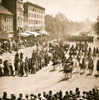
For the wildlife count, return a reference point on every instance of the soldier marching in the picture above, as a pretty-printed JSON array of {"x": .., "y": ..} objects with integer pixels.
[{"x": 62, "y": 56}]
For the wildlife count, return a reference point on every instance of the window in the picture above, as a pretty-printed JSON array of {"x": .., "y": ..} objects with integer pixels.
[
  {"x": 5, "y": 19},
  {"x": 35, "y": 15},
  {"x": 33, "y": 9},
  {"x": 29, "y": 8},
  {"x": 34, "y": 21},
  {"x": 7, "y": 27},
  {"x": 39, "y": 21},
  {"x": 30, "y": 21},
  {"x": 29, "y": 15},
  {"x": 4, "y": 27}
]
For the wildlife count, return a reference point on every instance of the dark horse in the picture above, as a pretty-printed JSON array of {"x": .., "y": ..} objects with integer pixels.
[{"x": 68, "y": 67}]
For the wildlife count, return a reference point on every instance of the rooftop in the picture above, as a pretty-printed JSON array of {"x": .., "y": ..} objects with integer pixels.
[
  {"x": 36, "y": 5},
  {"x": 3, "y": 10}
]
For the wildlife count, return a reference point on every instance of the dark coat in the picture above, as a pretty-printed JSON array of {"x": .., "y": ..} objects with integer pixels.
[{"x": 97, "y": 65}]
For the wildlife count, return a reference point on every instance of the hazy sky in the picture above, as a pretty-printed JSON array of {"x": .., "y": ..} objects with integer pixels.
[{"x": 76, "y": 10}]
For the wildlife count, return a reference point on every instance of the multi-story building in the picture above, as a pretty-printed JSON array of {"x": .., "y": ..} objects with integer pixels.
[
  {"x": 0, "y": 1},
  {"x": 34, "y": 17},
  {"x": 6, "y": 21},
  {"x": 16, "y": 7}
]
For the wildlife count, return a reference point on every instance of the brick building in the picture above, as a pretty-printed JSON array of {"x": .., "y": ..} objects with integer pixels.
[
  {"x": 33, "y": 17},
  {"x": 15, "y": 7},
  {"x": 6, "y": 21}
]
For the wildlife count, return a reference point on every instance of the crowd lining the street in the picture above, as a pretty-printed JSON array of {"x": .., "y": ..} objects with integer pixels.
[
  {"x": 61, "y": 55},
  {"x": 68, "y": 95},
  {"x": 9, "y": 46}
]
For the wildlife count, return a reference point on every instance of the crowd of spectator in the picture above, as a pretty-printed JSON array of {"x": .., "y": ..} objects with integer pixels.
[
  {"x": 68, "y": 95},
  {"x": 7, "y": 46}
]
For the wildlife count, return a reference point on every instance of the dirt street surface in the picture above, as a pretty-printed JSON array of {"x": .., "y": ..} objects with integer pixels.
[{"x": 44, "y": 80}]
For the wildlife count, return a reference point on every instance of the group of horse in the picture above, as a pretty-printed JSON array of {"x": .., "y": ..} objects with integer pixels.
[{"x": 67, "y": 62}]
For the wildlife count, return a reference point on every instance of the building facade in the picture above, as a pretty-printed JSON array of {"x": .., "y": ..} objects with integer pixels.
[
  {"x": 15, "y": 7},
  {"x": 34, "y": 17},
  {"x": 6, "y": 21},
  {"x": 0, "y": 1}
]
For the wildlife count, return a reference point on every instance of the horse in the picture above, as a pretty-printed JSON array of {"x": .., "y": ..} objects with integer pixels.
[
  {"x": 68, "y": 67},
  {"x": 83, "y": 65}
]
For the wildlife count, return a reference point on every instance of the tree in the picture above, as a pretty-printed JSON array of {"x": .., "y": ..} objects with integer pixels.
[
  {"x": 96, "y": 26},
  {"x": 59, "y": 26},
  {"x": 48, "y": 23}
]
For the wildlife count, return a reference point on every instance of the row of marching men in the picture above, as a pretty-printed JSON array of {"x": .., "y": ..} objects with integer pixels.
[
  {"x": 86, "y": 58},
  {"x": 55, "y": 53},
  {"x": 83, "y": 58},
  {"x": 84, "y": 51},
  {"x": 38, "y": 60},
  {"x": 23, "y": 67}
]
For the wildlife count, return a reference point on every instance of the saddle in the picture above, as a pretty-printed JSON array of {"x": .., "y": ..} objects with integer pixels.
[{"x": 68, "y": 67}]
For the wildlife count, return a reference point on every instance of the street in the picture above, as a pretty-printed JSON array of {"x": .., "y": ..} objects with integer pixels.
[{"x": 44, "y": 80}]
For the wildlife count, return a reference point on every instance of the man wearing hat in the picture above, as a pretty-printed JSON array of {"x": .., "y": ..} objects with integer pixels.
[
  {"x": 20, "y": 96},
  {"x": 13, "y": 97}
]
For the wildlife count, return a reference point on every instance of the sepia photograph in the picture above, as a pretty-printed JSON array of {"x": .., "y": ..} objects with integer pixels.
[{"x": 49, "y": 49}]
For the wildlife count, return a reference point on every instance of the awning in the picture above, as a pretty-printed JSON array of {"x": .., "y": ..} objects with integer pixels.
[
  {"x": 10, "y": 35},
  {"x": 3, "y": 35},
  {"x": 24, "y": 34},
  {"x": 33, "y": 33},
  {"x": 3, "y": 39},
  {"x": 44, "y": 32}
]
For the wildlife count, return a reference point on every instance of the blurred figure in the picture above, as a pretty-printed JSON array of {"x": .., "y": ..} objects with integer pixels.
[
  {"x": 13, "y": 97},
  {"x": 1, "y": 68},
  {"x": 90, "y": 66},
  {"x": 20, "y": 96},
  {"x": 97, "y": 67},
  {"x": 5, "y": 96}
]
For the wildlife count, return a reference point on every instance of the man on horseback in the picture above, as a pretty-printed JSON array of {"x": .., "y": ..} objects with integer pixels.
[
  {"x": 68, "y": 67},
  {"x": 90, "y": 66},
  {"x": 83, "y": 65}
]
